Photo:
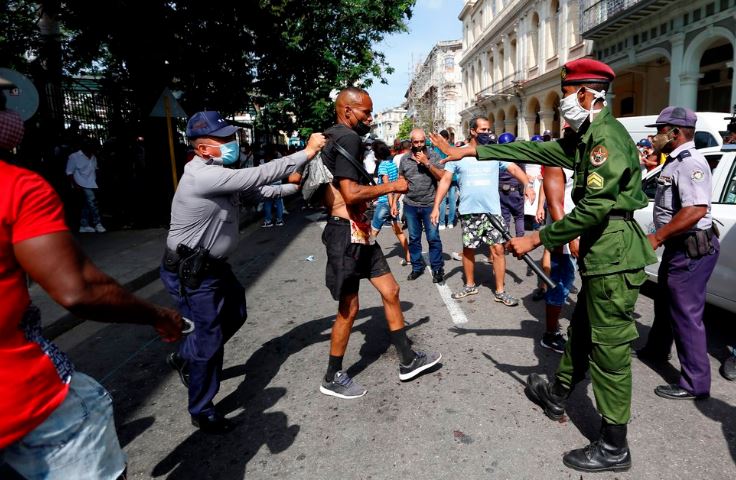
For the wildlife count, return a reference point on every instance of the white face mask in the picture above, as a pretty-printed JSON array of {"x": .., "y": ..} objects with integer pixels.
[{"x": 573, "y": 113}]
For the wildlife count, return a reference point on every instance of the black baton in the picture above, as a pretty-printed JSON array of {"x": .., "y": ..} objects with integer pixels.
[{"x": 532, "y": 264}]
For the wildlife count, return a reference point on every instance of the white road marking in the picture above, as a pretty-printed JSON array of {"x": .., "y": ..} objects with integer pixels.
[{"x": 457, "y": 314}]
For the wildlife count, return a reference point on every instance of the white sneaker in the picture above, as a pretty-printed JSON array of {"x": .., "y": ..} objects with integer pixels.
[
  {"x": 86, "y": 230},
  {"x": 99, "y": 228},
  {"x": 442, "y": 227},
  {"x": 451, "y": 226}
]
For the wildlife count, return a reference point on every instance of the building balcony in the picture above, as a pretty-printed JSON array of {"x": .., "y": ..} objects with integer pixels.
[{"x": 603, "y": 17}]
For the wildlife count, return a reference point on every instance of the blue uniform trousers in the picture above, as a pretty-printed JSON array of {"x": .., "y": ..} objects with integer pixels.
[
  {"x": 512, "y": 204},
  {"x": 678, "y": 314},
  {"x": 218, "y": 310}
]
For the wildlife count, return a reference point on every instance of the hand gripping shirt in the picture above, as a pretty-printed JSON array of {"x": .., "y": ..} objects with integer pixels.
[{"x": 607, "y": 179}]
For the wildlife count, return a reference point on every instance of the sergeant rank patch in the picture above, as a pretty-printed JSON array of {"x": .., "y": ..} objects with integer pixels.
[
  {"x": 598, "y": 156},
  {"x": 595, "y": 181},
  {"x": 697, "y": 176}
]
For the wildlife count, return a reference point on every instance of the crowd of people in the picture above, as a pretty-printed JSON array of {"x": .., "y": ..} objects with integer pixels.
[{"x": 591, "y": 187}]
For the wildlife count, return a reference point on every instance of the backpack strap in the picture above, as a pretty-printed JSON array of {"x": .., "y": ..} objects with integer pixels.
[{"x": 354, "y": 162}]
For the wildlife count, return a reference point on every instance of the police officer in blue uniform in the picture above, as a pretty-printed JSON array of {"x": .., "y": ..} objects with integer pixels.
[
  {"x": 684, "y": 226},
  {"x": 511, "y": 193}
]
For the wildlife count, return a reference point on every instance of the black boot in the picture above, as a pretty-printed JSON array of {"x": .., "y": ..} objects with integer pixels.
[
  {"x": 550, "y": 396},
  {"x": 609, "y": 453}
]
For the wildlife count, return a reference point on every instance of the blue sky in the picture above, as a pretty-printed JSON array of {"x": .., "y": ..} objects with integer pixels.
[{"x": 432, "y": 21}]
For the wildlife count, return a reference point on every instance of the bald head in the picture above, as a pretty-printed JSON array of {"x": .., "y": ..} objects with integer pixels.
[
  {"x": 417, "y": 134},
  {"x": 350, "y": 96},
  {"x": 353, "y": 106}
]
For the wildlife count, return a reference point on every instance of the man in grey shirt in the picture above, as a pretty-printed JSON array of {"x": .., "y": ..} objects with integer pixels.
[
  {"x": 421, "y": 167},
  {"x": 203, "y": 232}
]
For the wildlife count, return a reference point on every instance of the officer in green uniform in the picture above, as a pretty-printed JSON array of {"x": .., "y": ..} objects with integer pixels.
[{"x": 613, "y": 253}]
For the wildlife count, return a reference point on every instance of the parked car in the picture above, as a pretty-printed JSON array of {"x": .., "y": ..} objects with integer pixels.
[
  {"x": 709, "y": 131},
  {"x": 721, "y": 289}
]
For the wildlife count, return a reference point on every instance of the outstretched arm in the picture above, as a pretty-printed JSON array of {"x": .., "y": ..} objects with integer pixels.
[{"x": 74, "y": 282}]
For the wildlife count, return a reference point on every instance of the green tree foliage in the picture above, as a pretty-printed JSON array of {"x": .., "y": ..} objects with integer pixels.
[
  {"x": 405, "y": 129},
  {"x": 283, "y": 55}
]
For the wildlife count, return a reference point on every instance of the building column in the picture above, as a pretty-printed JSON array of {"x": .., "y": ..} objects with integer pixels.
[
  {"x": 528, "y": 126},
  {"x": 676, "y": 53},
  {"x": 546, "y": 119},
  {"x": 733, "y": 85},
  {"x": 562, "y": 32},
  {"x": 689, "y": 90}
]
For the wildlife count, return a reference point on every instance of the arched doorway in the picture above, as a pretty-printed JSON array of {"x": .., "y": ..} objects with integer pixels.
[
  {"x": 716, "y": 82},
  {"x": 550, "y": 114},
  {"x": 532, "y": 118}
]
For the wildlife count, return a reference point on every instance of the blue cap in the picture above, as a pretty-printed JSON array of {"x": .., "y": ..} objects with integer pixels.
[
  {"x": 209, "y": 124},
  {"x": 506, "y": 137},
  {"x": 644, "y": 142},
  {"x": 537, "y": 138},
  {"x": 675, "y": 116}
]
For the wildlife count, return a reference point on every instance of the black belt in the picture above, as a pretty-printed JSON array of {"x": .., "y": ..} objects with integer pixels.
[
  {"x": 679, "y": 241},
  {"x": 338, "y": 220},
  {"x": 620, "y": 215},
  {"x": 172, "y": 260}
]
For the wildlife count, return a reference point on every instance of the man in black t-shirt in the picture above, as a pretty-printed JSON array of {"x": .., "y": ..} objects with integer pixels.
[{"x": 352, "y": 253}]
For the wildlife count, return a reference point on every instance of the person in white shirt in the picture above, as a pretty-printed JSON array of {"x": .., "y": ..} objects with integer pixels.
[{"x": 81, "y": 169}]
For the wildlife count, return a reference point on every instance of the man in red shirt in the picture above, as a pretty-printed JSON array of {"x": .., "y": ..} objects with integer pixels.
[{"x": 55, "y": 423}]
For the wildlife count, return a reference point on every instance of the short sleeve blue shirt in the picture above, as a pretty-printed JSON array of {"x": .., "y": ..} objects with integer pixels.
[{"x": 478, "y": 184}]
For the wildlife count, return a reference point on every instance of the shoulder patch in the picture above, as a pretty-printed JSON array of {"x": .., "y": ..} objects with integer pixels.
[
  {"x": 697, "y": 176},
  {"x": 595, "y": 181},
  {"x": 598, "y": 156}
]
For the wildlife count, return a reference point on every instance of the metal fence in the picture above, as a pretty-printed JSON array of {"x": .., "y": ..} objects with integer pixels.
[{"x": 596, "y": 12}]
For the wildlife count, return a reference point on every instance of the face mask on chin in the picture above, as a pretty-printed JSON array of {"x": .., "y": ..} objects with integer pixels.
[
  {"x": 361, "y": 128},
  {"x": 661, "y": 140},
  {"x": 574, "y": 113}
]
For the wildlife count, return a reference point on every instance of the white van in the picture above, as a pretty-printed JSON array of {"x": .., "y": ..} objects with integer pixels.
[{"x": 709, "y": 131}]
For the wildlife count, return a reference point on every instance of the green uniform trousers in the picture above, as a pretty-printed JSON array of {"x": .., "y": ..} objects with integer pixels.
[{"x": 599, "y": 337}]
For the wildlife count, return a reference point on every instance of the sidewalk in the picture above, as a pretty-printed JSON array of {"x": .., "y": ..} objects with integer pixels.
[{"x": 132, "y": 257}]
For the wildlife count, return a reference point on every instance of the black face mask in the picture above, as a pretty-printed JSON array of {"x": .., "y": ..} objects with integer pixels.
[
  {"x": 485, "y": 138},
  {"x": 417, "y": 149},
  {"x": 361, "y": 128}
]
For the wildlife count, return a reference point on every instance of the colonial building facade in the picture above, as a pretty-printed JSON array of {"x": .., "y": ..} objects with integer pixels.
[
  {"x": 665, "y": 52},
  {"x": 434, "y": 97},
  {"x": 386, "y": 124},
  {"x": 512, "y": 54}
]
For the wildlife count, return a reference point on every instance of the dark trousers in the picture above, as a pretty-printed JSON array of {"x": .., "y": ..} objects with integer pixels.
[
  {"x": 512, "y": 204},
  {"x": 218, "y": 310},
  {"x": 417, "y": 219},
  {"x": 678, "y": 314}
]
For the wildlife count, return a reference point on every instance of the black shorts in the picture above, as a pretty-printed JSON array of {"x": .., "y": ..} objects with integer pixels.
[{"x": 348, "y": 262}]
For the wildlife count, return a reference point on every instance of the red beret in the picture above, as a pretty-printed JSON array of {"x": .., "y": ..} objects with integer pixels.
[{"x": 586, "y": 70}]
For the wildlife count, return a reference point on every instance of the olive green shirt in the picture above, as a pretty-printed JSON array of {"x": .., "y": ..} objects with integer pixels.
[{"x": 607, "y": 178}]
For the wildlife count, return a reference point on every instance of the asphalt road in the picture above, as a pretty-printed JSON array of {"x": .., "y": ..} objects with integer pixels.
[{"x": 468, "y": 419}]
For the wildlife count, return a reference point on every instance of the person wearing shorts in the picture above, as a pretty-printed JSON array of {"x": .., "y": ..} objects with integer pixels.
[
  {"x": 352, "y": 253},
  {"x": 479, "y": 199}
]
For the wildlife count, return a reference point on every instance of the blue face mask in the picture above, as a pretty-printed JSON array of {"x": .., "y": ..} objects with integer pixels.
[{"x": 230, "y": 152}]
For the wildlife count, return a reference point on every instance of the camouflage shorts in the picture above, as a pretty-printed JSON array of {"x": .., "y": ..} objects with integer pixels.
[{"x": 478, "y": 230}]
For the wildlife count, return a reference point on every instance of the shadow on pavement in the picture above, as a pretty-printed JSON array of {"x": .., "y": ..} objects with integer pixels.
[
  {"x": 201, "y": 456},
  {"x": 581, "y": 411},
  {"x": 724, "y": 413}
]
